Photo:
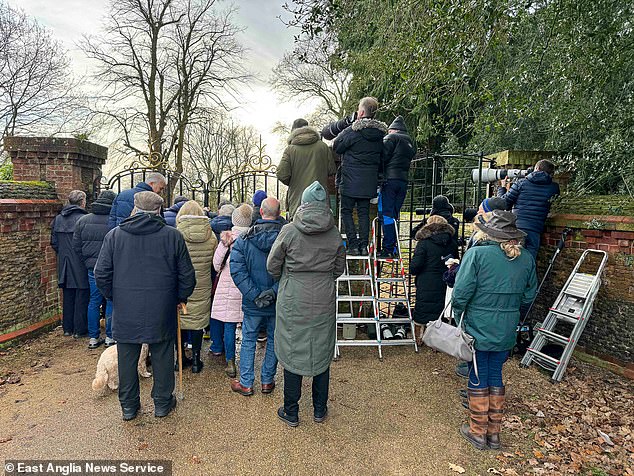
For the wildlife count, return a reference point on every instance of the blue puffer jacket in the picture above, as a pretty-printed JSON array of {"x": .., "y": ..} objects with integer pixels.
[
  {"x": 171, "y": 212},
  {"x": 220, "y": 223},
  {"x": 248, "y": 265},
  {"x": 531, "y": 198},
  {"x": 124, "y": 204}
]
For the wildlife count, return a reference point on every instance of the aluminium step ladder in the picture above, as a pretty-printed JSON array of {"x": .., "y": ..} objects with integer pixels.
[{"x": 573, "y": 306}]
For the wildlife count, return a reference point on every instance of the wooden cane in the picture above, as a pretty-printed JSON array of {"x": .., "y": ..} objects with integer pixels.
[{"x": 182, "y": 310}]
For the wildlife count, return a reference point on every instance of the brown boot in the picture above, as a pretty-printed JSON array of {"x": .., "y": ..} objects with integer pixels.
[
  {"x": 476, "y": 431},
  {"x": 496, "y": 409}
]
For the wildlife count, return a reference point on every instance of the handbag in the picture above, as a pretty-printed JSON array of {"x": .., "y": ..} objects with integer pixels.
[
  {"x": 443, "y": 337},
  {"x": 217, "y": 278}
]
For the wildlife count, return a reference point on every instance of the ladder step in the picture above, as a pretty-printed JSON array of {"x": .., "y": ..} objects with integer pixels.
[
  {"x": 387, "y": 260},
  {"x": 390, "y": 280},
  {"x": 398, "y": 342},
  {"x": 564, "y": 316},
  {"x": 355, "y": 298},
  {"x": 392, "y": 299},
  {"x": 554, "y": 337},
  {"x": 541, "y": 356},
  {"x": 356, "y": 320},
  {"x": 354, "y": 277},
  {"x": 343, "y": 315},
  {"x": 358, "y": 342},
  {"x": 361, "y": 257},
  {"x": 394, "y": 320}
]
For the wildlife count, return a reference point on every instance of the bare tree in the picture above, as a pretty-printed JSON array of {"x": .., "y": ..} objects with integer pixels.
[
  {"x": 37, "y": 91},
  {"x": 162, "y": 62},
  {"x": 310, "y": 71}
]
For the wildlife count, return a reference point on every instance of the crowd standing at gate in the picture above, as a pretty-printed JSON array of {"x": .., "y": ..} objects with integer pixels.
[{"x": 138, "y": 262}]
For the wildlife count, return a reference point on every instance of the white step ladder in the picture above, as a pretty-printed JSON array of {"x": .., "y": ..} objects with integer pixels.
[{"x": 573, "y": 306}]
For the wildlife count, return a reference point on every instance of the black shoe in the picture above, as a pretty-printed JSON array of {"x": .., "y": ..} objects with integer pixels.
[
  {"x": 163, "y": 412},
  {"x": 286, "y": 418},
  {"x": 187, "y": 362},
  {"x": 320, "y": 417},
  {"x": 130, "y": 413},
  {"x": 353, "y": 252},
  {"x": 197, "y": 364},
  {"x": 385, "y": 255}
]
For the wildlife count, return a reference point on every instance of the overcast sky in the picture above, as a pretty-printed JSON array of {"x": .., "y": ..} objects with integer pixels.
[{"x": 265, "y": 37}]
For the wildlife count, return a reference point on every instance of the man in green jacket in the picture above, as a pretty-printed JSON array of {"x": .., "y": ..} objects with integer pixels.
[{"x": 305, "y": 159}]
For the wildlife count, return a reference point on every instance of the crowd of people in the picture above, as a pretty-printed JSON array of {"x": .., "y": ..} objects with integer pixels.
[{"x": 152, "y": 269}]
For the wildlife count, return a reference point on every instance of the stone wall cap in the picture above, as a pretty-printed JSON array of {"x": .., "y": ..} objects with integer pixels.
[
  {"x": 56, "y": 144},
  {"x": 516, "y": 157}
]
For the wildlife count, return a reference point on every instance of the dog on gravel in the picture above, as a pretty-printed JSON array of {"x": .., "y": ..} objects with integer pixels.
[{"x": 107, "y": 376}]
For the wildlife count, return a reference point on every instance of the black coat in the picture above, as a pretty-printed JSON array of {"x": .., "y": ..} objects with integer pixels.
[
  {"x": 398, "y": 152},
  {"x": 435, "y": 242},
  {"x": 145, "y": 268},
  {"x": 361, "y": 150},
  {"x": 447, "y": 215},
  {"x": 90, "y": 230},
  {"x": 71, "y": 272}
]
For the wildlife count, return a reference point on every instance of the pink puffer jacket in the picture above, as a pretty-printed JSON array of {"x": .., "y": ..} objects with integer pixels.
[{"x": 227, "y": 305}]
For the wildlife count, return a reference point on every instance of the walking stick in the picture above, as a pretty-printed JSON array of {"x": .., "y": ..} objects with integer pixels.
[{"x": 181, "y": 309}]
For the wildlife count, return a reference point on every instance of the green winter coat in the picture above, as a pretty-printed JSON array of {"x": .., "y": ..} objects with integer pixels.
[
  {"x": 305, "y": 160},
  {"x": 201, "y": 244},
  {"x": 489, "y": 289},
  {"x": 308, "y": 256}
]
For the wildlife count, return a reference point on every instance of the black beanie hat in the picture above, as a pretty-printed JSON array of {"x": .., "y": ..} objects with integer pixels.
[
  {"x": 106, "y": 196},
  {"x": 398, "y": 124}
]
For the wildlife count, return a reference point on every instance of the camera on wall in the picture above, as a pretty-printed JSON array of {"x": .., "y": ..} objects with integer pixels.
[{"x": 495, "y": 175}]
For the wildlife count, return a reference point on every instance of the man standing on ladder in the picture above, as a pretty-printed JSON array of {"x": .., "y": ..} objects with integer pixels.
[
  {"x": 398, "y": 152},
  {"x": 359, "y": 140}
]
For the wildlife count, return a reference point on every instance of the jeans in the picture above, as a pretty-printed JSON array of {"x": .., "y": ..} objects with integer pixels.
[
  {"x": 390, "y": 202},
  {"x": 531, "y": 242},
  {"x": 223, "y": 337},
  {"x": 363, "y": 214},
  {"x": 293, "y": 392},
  {"x": 75, "y": 310},
  {"x": 250, "y": 329},
  {"x": 94, "y": 307},
  {"x": 489, "y": 369},
  {"x": 162, "y": 372}
]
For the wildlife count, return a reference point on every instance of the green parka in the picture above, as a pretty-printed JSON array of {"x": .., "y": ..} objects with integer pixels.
[
  {"x": 201, "y": 244},
  {"x": 489, "y": 289},
  {"x": 308, "y": 256}
]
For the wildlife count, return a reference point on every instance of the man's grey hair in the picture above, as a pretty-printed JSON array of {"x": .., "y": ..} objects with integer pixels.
[
  {"x": 154, "y": 177},
  {"x": 76, "y": 197},
  {"x": 270, "y": 207},
  {"x": 369, "y": 105}
]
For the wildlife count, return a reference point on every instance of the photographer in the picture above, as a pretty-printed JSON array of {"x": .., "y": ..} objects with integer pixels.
[{"x": 530, "y": 199}]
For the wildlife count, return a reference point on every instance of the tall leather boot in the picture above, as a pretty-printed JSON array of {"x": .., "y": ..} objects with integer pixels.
[
  {"x": 197, "y": 364},
  {"x": 475, "y": 432},
  {"x": 496, "y": 410}
]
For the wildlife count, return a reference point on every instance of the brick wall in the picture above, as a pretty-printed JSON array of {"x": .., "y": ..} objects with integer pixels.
[{"x": 610, "y": 331}]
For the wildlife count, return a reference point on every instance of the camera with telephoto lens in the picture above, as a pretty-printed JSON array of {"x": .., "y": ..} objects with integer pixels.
[{"x": 494, "y": 175}]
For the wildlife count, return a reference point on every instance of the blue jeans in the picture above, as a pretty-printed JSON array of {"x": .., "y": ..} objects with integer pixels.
[
  {"x": 489, "y": 369},
  {"x": 250, "y": 329},
  {"x": 223, "y": 337},
  {"x": 390, "y": 202},
  {"x": 531, "y": 242},
  {"x": 93, "y": 309}
]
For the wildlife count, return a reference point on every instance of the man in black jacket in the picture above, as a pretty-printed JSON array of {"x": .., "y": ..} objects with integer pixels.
[
  {"x": 398, "y": 152},
  {"x": 358, "y": 139},
  {"x": 145, "y": 268},
  {"x": 90, "y": 230},
  {"x": 72, "y": 276}
]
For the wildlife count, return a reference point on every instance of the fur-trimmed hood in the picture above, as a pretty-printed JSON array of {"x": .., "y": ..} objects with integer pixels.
[
  {"x": 303, "y": 136},
  {"x": 434, "y": 229},
  {"x": 369, "y": 123}
]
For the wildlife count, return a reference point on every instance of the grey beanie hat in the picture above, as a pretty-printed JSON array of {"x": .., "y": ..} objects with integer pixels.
[
  {"x": 314, "y": 193},
  {"x": 107, "y": 196},
  {"x": 226, "y": 210},
  {"x": 242, "y": 216},
  {"x": 398, "y": 124},
  {"x": 148, "y": 202}
]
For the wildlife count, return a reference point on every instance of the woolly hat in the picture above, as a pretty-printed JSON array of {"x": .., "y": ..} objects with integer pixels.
[
  {"x": 469, "y": 214},
  {"x": 494, "y": 203},
  {"x": 440, "y": 203},
  {"x": 499, "y": 225},
  {"x": 107, "y": 196},
  {"x": 314, "y": 193},
  {"x": 398, "y": 124},
  {"x": 258, "y": 198},
  {"x": 180, "y": 198},
  {"x": 148, "y": 202},
  {"x": 241, "y": 216},
  {"x": 297, "y": 123},
  {"x": 226, "y": 210}
]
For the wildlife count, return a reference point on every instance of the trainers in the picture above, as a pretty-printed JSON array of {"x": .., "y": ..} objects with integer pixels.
[
  {"x": 291, "y": 421},
  {"x": 385, "y": 255},
  {"x": 109, "y": 341},
  {"x": 93, "y": 343}
]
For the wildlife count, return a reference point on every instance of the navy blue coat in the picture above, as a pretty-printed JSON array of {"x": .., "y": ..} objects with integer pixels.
[
  {"x": 220, "y": 223},
  {"x": 124, "y": 204},
  {"x": 398, "y": 152},
  {"x": 171, "y": 212},
  {"x": 531, "y": 199},
  {"x": 145, "y": 268},
  {"x": 90, "y": 231},
  {"x": 248, "y": 265},
  {"x": 361, "y": 149}
]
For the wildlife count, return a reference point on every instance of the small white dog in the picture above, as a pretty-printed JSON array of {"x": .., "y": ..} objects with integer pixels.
[{"x": 107, "y": 375}]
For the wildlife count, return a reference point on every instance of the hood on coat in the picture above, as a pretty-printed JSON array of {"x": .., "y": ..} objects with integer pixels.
[
  {"x": 176, "y": 207},
  {"x": 195, "y": 229},
  {"x": 370, "y": 129},
  {"x": 99, "y": 207},
  {"x": 539, "y": 177},
  {"x": 70, "y": 209},
  {"x": 303, "y": 136},
  {"x": 313, "y": 218},
  {"x": 263, "y": 234},
  {"x": 143, "y": 224},
  {"x": 432, "y": 230}
]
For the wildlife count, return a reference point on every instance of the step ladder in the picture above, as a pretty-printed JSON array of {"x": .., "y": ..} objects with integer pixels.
[{"x": 573, "y": 306}]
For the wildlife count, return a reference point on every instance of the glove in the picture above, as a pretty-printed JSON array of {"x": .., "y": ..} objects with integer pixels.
[{"x": 265, "y": 298}]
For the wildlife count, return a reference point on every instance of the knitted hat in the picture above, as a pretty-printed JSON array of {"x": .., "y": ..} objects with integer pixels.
[
  {"x": 500, "y": 226},
  {"x": 469, "y": 214},
  {"x": 398, "y": 124},
  {"x": 241, "y": 216},
  {"x": 258, "y": 197},
  {"x": 148, "y": 202},
  {"x": 494, "y": 203},
  {"x": 180, "y": 198},
  {"x": 297, "y": 123},
  {"x": 107, "y": 196},
  {"x": 440, "y": 203},
  {"x": 314, "y": 193},
  {"x": 226, "y": 210}
]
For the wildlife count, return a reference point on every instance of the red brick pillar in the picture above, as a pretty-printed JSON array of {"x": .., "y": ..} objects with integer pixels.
[{"x": 69, "y": 164}]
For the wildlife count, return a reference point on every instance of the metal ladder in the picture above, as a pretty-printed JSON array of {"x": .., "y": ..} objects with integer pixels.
[
  {"x": 573, "y": 306},
  {"x": 390, "y": 284}
]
